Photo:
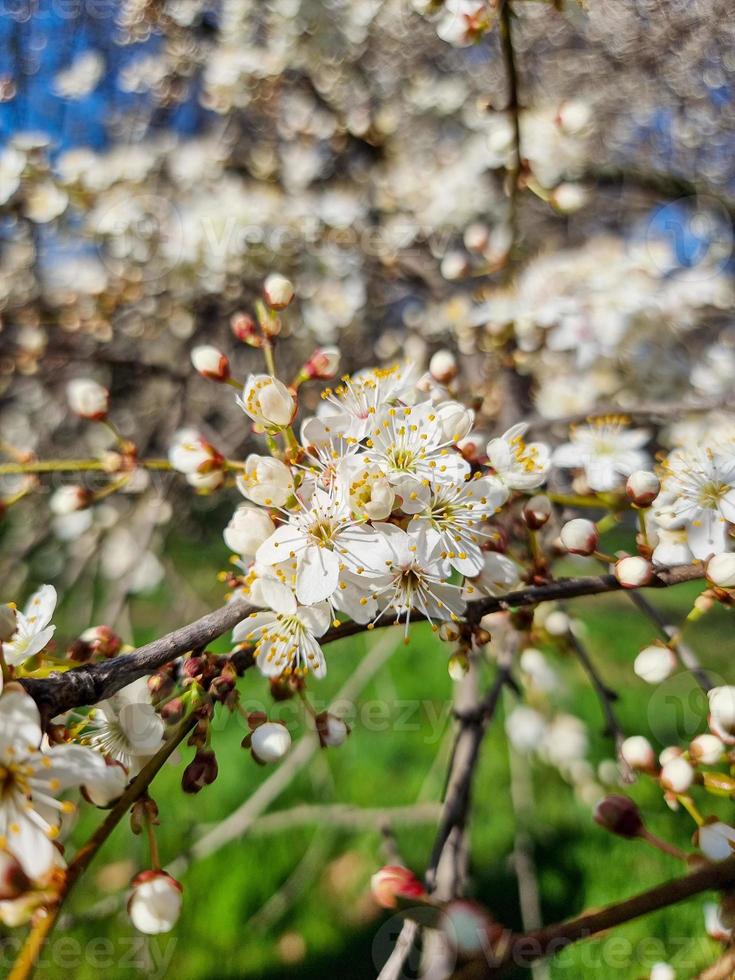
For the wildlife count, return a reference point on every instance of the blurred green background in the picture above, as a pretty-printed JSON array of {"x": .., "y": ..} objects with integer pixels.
[{"x": 293, "y": 900}]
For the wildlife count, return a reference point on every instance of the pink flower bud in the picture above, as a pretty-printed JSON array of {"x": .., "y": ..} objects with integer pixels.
[
  {"x": 677, "y": 775},
  {"x": 638, "y": 752},
  {"x": 278, "y": 291},
  {"x": 102, "y": 641},
  {"x": 155, "y": 903},
  {"x": 210, "y": 362},
  {"x": 720, "y": 571},
  {"x": 642, "y": 487},
  {"x": 323, "y": 364},
  {"x": 443, "y": 367},
  {"x": 394, "y": 882},
  {"x": 537, "y": 511},
  {"x": 243, "y": 327},
  {"x": 88, "y": 399},
  {"x": 655, "y": 663},
  {"x": 580, "y": 536},
  {"x": 620, "y": 815},
  {"x": 633, "y": 572}
]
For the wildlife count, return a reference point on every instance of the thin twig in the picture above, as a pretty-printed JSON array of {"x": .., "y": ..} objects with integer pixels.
[{"x": 607, "y": 698}]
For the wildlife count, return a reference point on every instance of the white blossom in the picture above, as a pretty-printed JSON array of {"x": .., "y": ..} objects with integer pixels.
[
  {"x": 285, "y": 637},
  {"x": 606, "y": 450},
  {"x": 33, "y": 629},
  {"x": 31, "y": 780},
  {"x": 517, "y": 464},
  {"x": 127, "y": 727}
]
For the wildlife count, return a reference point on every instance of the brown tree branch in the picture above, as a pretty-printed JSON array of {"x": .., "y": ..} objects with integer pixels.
[
  {"x": 523, "y": 950},
  {"x": 90, "y": 683}
]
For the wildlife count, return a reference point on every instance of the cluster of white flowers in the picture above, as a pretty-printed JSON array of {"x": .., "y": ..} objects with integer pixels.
[{"x": 377, "y": 515}]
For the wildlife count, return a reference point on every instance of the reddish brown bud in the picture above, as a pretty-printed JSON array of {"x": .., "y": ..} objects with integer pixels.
[
  {"x": 200, "y": 772},
  {"x": 173, "y": 711},
  {"x": 620, "y": 815}
]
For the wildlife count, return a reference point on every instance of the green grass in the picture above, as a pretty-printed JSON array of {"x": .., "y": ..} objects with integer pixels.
[{"x": 326, "y": 925}]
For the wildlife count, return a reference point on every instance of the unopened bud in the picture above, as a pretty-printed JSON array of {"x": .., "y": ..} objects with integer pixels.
[
  {"x": 155, "y": 903},
  {"x": 476, "y": 237},
  {"x": 537, "y": 511},
  {"x": 620, "y": 816},
  {"x": 669, "y": 753},
  {"x": 557, "y": 623},
  {"x": 454, "y": 266},
  {"x": 469, "y": 929},
  {"x": 580, "y": 536},
  {"x": 458, "y": 666},
  {"x": 642, "y": 487},
  {"x": 102, "y": 641},
  {"x": 677, "y": 775},
  {"x": 720, "y": 570},
  {"x": 655, "y": 663},
  {"x": 443, "y": 367},
  {"x": 87, "y": 399},
  {"x": 706, "y": 749},
  {"x": 394, "y": 882},
  {"x": 270, "y": 742},
  {"x": 210, "y": 362},
  {"x": 323, "y": 364},
  {"x": 201, "y": 771},
  {"x": 243, "y": 327},
  {"x": 162, "y": 683},
  {"x": 332, "y": 731},
  {"x": 267, "y": 401},
  {"x": 633, "y": 572},
  {"x": 278, "y": 291},
  {"x": 722, "y": 710},
  {"x": 68, "y": 499},
  {"x": 638, "y": 752},
  {"x": 172, "y": 711}
]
